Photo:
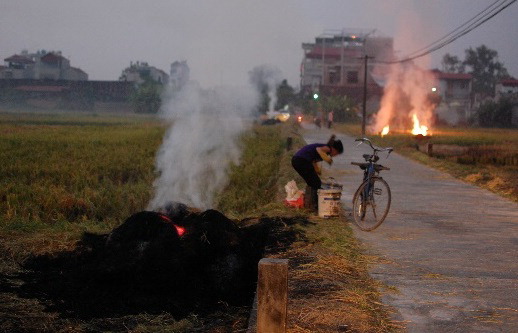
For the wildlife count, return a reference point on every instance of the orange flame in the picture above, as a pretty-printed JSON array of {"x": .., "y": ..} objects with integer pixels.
[
  {"x": 385, "y": 131},
  {"x": 418, "y": 129}
]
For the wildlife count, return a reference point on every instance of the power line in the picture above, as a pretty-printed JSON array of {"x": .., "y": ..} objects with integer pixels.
[
  {"x": 483, "y": 12},
  {"x": 486, "y": 14}
]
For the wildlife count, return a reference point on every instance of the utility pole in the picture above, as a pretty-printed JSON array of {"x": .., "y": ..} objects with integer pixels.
[{"x": 364, "y": 111}]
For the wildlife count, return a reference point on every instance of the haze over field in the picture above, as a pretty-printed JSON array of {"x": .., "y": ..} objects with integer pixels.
[
  {"x": 223, "y": 39},
  {"x": 222, "y": 42}
]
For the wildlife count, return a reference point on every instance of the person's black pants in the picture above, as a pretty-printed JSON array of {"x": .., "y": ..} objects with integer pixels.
[{"x": 307, "y": 171}]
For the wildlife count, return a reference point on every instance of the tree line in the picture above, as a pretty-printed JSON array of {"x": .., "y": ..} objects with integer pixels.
[{"x": 486, "y": 69}]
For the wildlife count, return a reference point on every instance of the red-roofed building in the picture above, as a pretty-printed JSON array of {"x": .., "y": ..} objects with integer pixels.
[
  {"x": 334, "y": 64},
  {"x": 41, "y": 65},
  {"x": 508, "y": 87},
  {"x": 17, "y": 67},
  {"x": 336, "y": 59},
  {"x": 453, "y": 85},
  {"x": 455, "y": 92},
  {"x": 19, "y": 61}
]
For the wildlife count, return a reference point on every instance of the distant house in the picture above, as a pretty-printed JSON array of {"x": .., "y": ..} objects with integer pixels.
[
  {"x": 507, "y": 87},
  {"x": 138, "y": 71},
  {"x": 76, "y": 74},
  {"x": 179, "y": 74},
  {"x": 455, "y": 92},
  {"x": 335, "y": 63},
  {"x": 18, "y": 67},
  {"x": 41, "y": 66}
]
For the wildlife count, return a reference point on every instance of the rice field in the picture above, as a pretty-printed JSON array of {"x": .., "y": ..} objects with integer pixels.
[
  {"x": 66, "y": 174},
  {"x": 74, "y": 168}
]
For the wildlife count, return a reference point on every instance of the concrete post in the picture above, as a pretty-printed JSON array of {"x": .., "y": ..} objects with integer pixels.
[{"x": 272, "y": 296}]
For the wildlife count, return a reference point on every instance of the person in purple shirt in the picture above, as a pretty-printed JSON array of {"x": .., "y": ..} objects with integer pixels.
[{"x": 305, "y": 163}]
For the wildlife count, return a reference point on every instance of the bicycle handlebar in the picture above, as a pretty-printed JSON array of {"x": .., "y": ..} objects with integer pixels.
[{"x": 376, "y": 149}]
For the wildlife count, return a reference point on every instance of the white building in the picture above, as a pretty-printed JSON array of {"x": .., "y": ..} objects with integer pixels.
[
  {"x": 41, "y": 66},
  {"x": 179, "y": 74},
  {"x": 507, "y": 87},
  {"x": 455, "y": 92},
  {"x": 138, "y": 71}
]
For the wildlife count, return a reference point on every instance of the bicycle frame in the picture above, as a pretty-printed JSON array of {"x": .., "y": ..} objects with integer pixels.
[
  {"x": 368, "y": 174},
  {"x": 369, "y": 189},
  {"x": 371, "y": 169}
]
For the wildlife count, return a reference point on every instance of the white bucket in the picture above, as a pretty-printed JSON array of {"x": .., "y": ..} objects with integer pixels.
[
  {"x": 330, "y": 184},
  {"x": 329, "y": 204}
]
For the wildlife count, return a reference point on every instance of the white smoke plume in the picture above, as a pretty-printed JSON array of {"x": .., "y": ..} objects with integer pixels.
[
  {"x": 408, "y": 84},
  {"x": 200, "y": 144}
]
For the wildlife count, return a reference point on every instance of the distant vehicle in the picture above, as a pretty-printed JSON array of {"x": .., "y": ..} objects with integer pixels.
[{"x": 281, "y": 116}]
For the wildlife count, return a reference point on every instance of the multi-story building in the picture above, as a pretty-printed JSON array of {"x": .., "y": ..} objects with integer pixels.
[
  {"x": 507, "y": 87},
  {"x": 41, "y": 65},
  {"x": 138, "y": 72},
  {"x": 336, "y": 62},
  {"x": 455, "y": 92},
  {"x": 179, "y": 74}
]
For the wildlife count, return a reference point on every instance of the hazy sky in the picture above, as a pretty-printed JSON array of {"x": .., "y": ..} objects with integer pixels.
[{"x": 224, "y": 39}]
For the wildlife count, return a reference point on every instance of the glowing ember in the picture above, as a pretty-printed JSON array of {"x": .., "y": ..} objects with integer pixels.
[
  {"x": 385, "y": 131},
  {"x": 179, "y": 230},
  {"x": 418, "y": 129}
]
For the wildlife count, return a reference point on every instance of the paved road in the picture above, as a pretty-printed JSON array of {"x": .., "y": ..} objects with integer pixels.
[{"x": 450, "y": 249}]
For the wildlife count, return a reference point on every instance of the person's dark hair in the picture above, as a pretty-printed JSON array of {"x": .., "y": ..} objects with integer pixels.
[
  {"x": 331, "y": 140},
  {"x": 336, "y": 144}
]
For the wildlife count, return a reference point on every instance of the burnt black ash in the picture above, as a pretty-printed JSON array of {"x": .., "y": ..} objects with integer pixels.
[{"x": 176, "y": 260}]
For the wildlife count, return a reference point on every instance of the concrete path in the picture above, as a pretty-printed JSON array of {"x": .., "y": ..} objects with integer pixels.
[{"x": 449, "y": 248}]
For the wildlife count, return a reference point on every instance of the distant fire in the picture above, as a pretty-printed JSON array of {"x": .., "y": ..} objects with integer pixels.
[
  {"x": 407, "y": 104},
  {"x": 385, "y": 131},
  {"x": 418, "y": 129}
]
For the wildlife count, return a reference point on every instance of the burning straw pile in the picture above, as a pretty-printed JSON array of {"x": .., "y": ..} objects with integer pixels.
[{"x": 177, "y": 260}]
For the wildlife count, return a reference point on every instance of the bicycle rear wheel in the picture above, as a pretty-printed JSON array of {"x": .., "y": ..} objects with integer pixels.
[{"x": 371, "y": 203}]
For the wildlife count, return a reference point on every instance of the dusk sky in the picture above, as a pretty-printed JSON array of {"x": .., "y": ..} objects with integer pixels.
[{"x": 222, "y": 40}]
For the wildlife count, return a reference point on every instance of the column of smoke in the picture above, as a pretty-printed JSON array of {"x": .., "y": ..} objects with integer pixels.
[
  {"x": 200, "y": 144},
  {"x": 406, "y": 93},
  {"x": 407, "y": 86},
  {"x": 266, "y": 78}
]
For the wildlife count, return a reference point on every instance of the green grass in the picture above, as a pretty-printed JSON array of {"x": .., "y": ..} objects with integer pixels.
[
  {"x": 257, "y": 184},
  {"x": 71, "y": 169},
  {"x": 253, "y": 182}
]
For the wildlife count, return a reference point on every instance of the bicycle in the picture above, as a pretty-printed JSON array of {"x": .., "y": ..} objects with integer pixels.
[{"x": 371, "y": 201}]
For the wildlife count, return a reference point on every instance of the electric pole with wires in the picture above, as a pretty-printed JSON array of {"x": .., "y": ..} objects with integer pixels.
[{"x": 364, "y": 107}]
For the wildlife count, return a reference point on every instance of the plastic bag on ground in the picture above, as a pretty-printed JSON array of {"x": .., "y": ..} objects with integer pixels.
[{"x": 294, "y": 196}]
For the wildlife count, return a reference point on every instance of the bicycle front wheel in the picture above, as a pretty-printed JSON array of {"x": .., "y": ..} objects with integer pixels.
[{"x": 371, "y": 203}]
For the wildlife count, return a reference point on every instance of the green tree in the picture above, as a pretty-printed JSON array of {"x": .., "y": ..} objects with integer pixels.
[
  {"x": 452, "y": 64},
  {"x": 496, "y": 114},
  {"x": 483, "y": 64},
  {"x": 342, "y": 107},
  {"x": 146, "y": 98},
  {"x": 285, "y": 95}
]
